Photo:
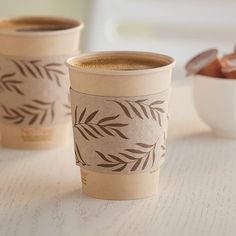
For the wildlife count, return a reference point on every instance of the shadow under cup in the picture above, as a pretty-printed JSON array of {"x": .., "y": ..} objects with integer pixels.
[
  {"x": 120, "y": 118},
  {"x": 34, "y": 84}
]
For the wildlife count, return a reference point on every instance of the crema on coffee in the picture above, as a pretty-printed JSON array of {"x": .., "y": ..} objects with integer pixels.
[
  {"x": 118, "y": 63},
  {"x": 36, "y": 24}
]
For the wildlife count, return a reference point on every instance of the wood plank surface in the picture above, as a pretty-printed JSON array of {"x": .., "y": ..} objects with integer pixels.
[{"x": 40, "y": 191}]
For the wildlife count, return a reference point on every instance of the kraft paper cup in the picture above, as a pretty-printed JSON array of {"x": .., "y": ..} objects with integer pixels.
[
  {"x": 120, "y": 118},
  {"x": 34, "y": 84}
]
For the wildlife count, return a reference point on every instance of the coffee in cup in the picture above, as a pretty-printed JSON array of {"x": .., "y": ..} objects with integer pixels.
[{"x": 120, "y": 118}]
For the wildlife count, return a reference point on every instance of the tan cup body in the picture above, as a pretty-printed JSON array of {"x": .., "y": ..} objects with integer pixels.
[
  {"x": 39, "y": 44},
  {"x": 115, "y": 83}
]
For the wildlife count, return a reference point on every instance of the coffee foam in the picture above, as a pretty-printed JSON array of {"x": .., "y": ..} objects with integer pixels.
[
  {"x": 118, "y": 63},
  {"x": 36, "y": 24}
]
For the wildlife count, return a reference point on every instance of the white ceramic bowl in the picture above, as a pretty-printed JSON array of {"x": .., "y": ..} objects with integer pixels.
[{"x": 215, "y": 102}]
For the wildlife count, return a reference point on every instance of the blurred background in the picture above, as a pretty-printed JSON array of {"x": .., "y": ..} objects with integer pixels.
[{"x": 180, "y": 28}]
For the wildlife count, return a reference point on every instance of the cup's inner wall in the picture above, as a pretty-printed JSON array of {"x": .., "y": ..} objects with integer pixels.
[
  {"x": 34, "y": 24},
  {"x": 120, "y": 62}
]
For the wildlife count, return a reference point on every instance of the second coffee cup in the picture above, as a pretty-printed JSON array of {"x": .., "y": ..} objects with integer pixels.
[{"x": 34, "y": 84}]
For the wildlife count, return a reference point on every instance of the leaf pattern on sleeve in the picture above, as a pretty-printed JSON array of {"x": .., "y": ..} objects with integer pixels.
[
  {"x": 9, "y": 83},
  {"x": 38, "y": 70},
  {"x": 142, "y": 109},
  {"x": 88, "y": 128},
  {"x": 134, "y": 158},
  {"x": 35, "y": 112}
]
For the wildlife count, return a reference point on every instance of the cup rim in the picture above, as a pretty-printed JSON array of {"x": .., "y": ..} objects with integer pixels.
[
  {"x": 151, "y": 55},
  {"x": 75, "y": 25},
  {"x": 213, "y": 79}
]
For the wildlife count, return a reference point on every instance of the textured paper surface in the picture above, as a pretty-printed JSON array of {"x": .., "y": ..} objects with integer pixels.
[
  {"x": 120, "y": 134},
  {"x": 34, "y": 91}
]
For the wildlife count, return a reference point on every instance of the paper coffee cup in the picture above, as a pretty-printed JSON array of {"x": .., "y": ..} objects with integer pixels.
[
  {"x": 34, "y": 83},
  {"x": 120, "y": 118}
]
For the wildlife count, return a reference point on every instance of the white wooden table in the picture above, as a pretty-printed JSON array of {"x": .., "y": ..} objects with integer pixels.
[{"x": 40, "y": 191}]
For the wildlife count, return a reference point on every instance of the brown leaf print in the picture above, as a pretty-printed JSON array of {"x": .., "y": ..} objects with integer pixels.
[
  {"x": 67, "y": 106},
  {"x": 78, "y": 157},
  {"x": 8, "y": 83},
  {"x": 142, "y": 109},
  {"x": 88, "y": 128},
  {"x": 163, "y": 146},
  {"x": 35, "y": 69},
  {"x": 123, "y": 107},
  {"x": 130, "y": 158},
  {"x": 34, "y": 113}
]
